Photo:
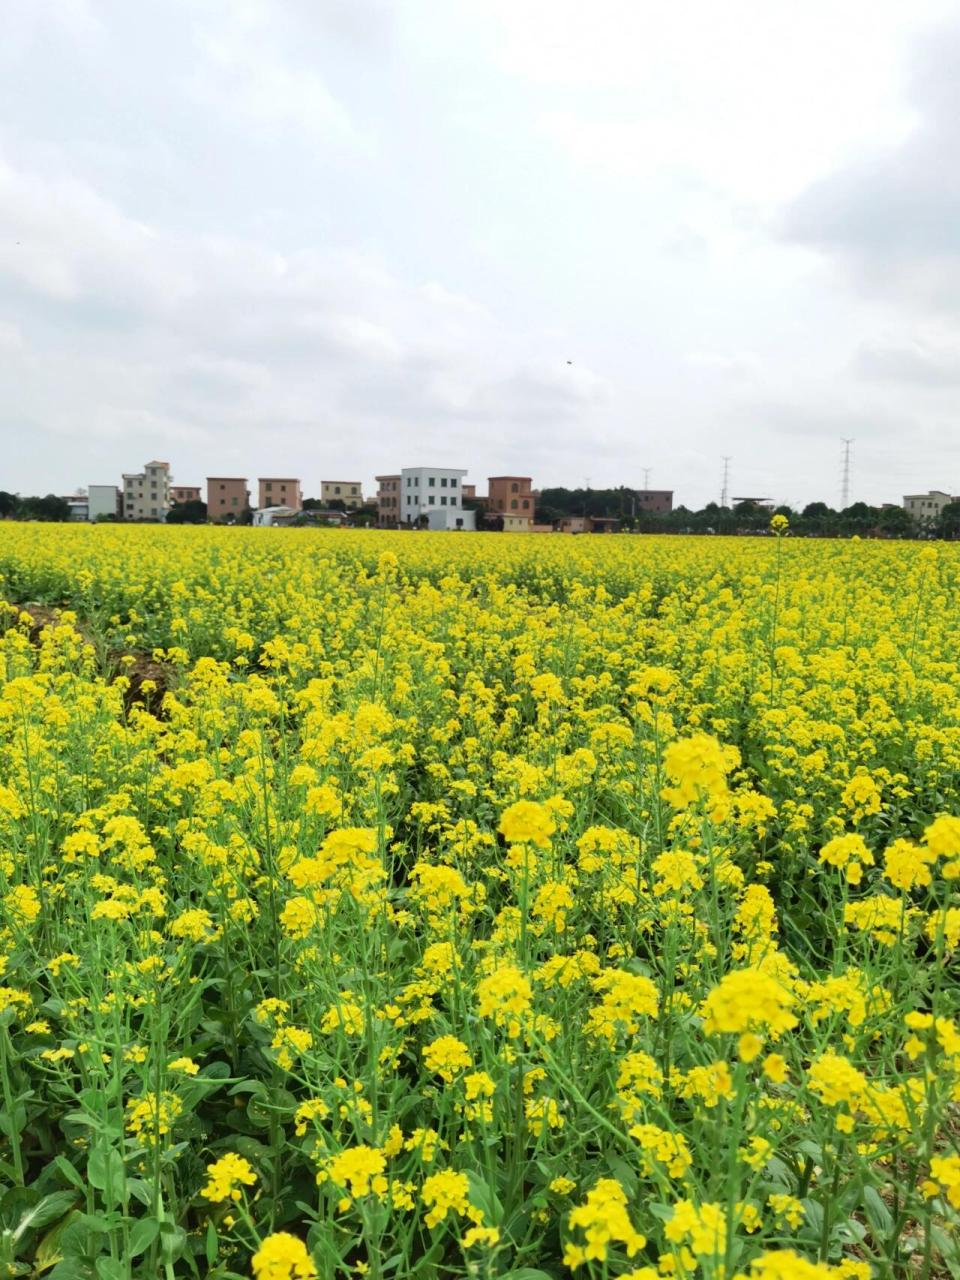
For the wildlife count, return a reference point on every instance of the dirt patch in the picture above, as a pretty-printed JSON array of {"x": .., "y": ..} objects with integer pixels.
[{"x": 149, "y": 681}]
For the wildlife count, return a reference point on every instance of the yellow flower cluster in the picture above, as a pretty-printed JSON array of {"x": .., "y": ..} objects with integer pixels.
[{"x": 482, "y": 905}]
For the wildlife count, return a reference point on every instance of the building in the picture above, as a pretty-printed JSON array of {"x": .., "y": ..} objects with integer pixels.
[
  {"x": 516, "y": 524},
  {"x": 658, "y": 502},
  {"x": 431, "y": 496},
  {"x": 927, "y": 506},
  {"x": 181, "y": 493},
  {"x": 227, "y": 498},
  {"x": 146, "y": 493},
  {"x": 279, "y": 493},
  {"x": 510, "y": 493},
  {"x": 103, "y": 502},
  {"x": 273, "y": 516},
  {"x": 79, "y": 505},
  {"x": 587, "y": 524},
  {"x": 388, "y": 501},
  {"x": 349, "y": 492}
]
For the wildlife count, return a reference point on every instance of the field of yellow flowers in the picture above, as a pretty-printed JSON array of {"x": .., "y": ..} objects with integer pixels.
[{"x": 408, "y": 905}]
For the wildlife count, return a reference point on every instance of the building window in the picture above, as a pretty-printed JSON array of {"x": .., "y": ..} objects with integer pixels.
[
  {"x": 443, "y": 500},
  {"x": 453, "y": 482},
  {"x": 432, "y": 481},
  {"x": 353, "y": 488},
  {"x": 443, "y": 482},
  {"x": 514, "y": 488},
  {"x": 222, "y": 487}
]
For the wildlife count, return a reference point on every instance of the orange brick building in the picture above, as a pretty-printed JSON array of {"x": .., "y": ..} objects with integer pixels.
[
  {"x": 510, "y": 494},
  {"x": 227, "y": 498},
  {"x": 282, "y": 492}
]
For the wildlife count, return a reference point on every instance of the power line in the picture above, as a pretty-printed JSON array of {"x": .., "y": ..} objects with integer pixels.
[
  {"x": 845, "y": 487},
  {"x": 725, "y": 490}
]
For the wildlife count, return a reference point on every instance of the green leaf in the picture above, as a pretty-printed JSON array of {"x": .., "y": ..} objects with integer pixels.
[
  {"x": 173, "y": 1241},
  {"x": 106, "y": 1172},
  {"x": 52, "y": 1207},
  {"x": 212, "y": 1244},
  {"x": 142, "y": 1235},
  {"x": 141, "y": 1191},
  {"x": 111, "y": 1269},
  {"x": 878, "y": 1215},
  {"x": 527, "y": 1273},
  {"x": 50, "y": 1249},
  {"x": 485, "y": 1199},
  {"x": 69, "y": 1172}
]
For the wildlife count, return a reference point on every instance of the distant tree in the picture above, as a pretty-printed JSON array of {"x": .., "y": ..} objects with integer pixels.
[
  {"x": 816, "y": 511},
  {"x": 948, "y": 525},
  {"x": 311, "y": 504},
  {"x": 9, "y": 504},
  {"x": 899, "y": 523},
  {"x": 48, "y": 508},
  {"x": 364, "y": 516},
  {"x": 193, "y": 512},
  {"x": 336, "y": 504}
]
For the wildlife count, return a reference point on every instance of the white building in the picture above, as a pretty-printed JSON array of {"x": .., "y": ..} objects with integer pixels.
[
  {"x": 79, "y": 506},
  {"x": 102, "y": 500},
  {"x": 146, "y": 493},
  {"x": 273, "y": 515},
  {"x": 927, "y": 506},
  {"x": 434, "y": 496}
]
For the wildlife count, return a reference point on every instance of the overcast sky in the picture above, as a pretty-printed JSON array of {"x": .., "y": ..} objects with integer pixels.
[{"x": 563, "y": 238}]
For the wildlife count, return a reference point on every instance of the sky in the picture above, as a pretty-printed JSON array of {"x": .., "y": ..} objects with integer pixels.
[{"x": 608, "y": 242}]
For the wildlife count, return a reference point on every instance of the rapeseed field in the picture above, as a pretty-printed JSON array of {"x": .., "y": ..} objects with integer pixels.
[{"x": 411, "y": 905}]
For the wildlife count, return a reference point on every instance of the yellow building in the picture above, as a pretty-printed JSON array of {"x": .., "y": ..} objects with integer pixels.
[{"x": 349, "y": 492}]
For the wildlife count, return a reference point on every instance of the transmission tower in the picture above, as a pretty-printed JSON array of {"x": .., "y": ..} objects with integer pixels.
[
  {"x": 845, "y": 488},
  {"x": 646, "y": 476},
  {"x": 724, "y": 492}
]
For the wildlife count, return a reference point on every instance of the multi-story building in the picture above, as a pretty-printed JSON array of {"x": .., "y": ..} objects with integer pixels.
[
  {"x": 431, "y": 496},
  {"x": 510, "y": 494},
  {"x": 654, "y": 501},
  {"x": 927, "y": 506},
  {"x": 388, "y": 501},
  {"x": 146, "y": 493},
  {"x": 279, "y": 493},
  {"x": 227, "y": 498},
  {"x": 181, "y": 493},
  {"x": 349, "y": 492},
  {"x": 79, "y": 505},
  {"x": 103, "y": 500}
]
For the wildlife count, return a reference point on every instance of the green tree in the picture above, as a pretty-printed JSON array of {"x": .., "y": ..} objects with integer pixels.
[
  {"x": 193, "y": 512},
  {"x": 948, "y": 524}
]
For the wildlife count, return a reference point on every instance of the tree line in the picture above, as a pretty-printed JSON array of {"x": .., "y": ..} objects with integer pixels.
[{"x": 816, "y": 519}]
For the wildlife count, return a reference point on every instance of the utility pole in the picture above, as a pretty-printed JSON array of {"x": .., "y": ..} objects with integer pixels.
[
  {"x": 724, "y": 492},
  {"x": 845, "y": 488}
]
